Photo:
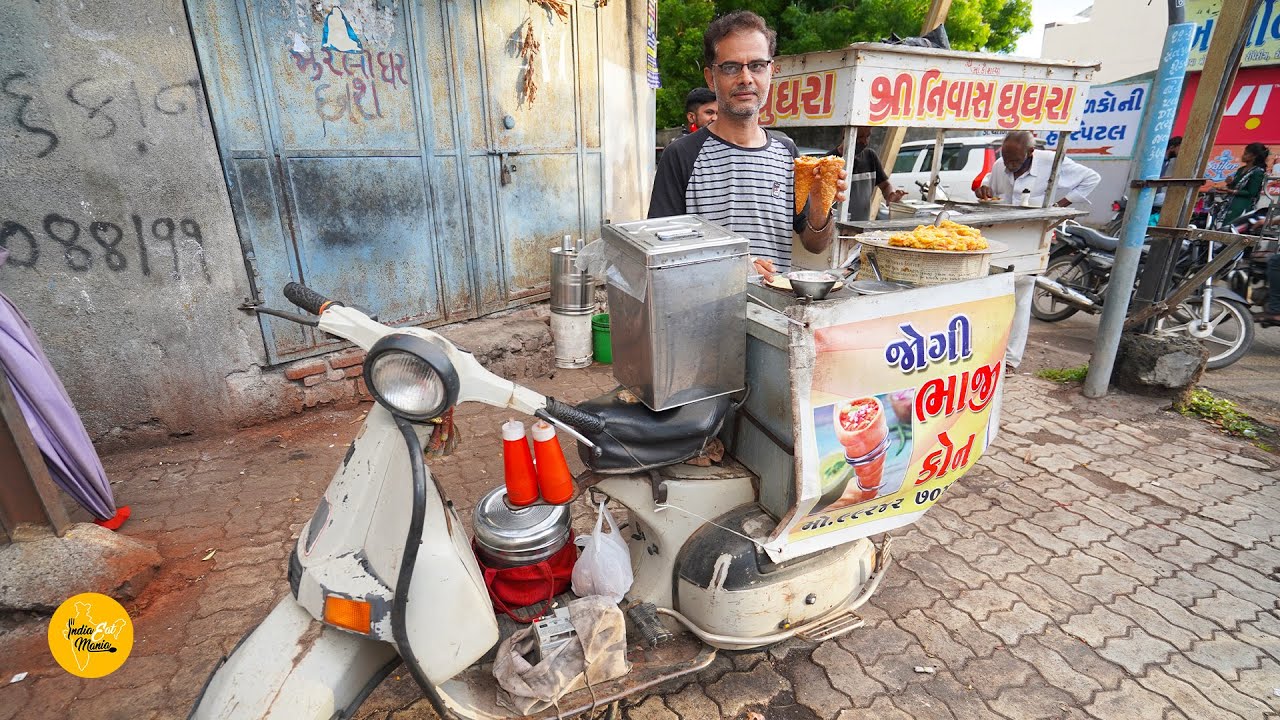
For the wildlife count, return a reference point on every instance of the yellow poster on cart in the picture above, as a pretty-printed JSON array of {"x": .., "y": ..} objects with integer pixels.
[{"x": 899, "y": 407}]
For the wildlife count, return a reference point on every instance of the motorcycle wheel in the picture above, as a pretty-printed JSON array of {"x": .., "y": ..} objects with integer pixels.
[
  {"x": 1046, "y": 307},
  {"x": 1229, "y": 335}
]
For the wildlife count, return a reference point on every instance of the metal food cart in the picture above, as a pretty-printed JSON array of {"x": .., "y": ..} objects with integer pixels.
[
  {"x": 864, "y": 409},
  {"x": 878, "y": 85}
]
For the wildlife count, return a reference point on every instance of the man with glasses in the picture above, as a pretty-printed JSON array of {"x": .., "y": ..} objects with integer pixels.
[
  {"x": 1022, "y": 178},
  {"x": 733, "y": 172}
]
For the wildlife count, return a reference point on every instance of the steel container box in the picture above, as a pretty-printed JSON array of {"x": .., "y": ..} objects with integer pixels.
[{"x": 677, "y": 304}]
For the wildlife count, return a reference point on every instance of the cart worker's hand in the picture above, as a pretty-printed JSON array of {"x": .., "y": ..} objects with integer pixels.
[
  {"x": 984, "y": 193},
  {"x": 1063, "y": 202},
  {"x": 896, "y": 195},
  {"x": 764, "y": 267}
]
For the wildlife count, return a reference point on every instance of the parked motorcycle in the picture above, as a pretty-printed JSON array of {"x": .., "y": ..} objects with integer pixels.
[
  {"x": 1080, "y": 271},
  {"x": 384, "y": 572},
  {"x": 1248, "y": 275}
]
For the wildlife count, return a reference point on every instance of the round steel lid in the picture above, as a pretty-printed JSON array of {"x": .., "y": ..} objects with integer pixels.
[{"x": 518, "y": 530}]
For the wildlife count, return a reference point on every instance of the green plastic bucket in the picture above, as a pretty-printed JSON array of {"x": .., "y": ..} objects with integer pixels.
[{"x": 601, "y": 345}]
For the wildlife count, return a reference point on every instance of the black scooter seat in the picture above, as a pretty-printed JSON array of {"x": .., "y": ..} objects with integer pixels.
[
  {"x": 1094, "y": 239},
  {"x": 636, "y": 438}
]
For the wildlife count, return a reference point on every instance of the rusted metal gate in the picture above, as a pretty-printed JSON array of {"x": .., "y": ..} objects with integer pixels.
[{"x": 382, "y": 153}]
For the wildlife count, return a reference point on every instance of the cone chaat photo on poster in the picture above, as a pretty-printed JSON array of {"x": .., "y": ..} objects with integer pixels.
[{"x": 865, "y": 448}]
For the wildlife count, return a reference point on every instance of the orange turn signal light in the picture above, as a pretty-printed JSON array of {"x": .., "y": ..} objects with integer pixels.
[{"x": 347, "y": 613}]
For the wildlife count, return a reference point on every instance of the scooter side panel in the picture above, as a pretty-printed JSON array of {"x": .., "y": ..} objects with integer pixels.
[
  {"x": 450, "y": 620},
  {"x": 292, "y": 667}
]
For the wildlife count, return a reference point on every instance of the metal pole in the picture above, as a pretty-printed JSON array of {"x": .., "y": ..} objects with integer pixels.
[
  {"x": 1231, "y": 30},
  {"x": 1053, "y": 174},
  {"x": 1157, "y": 123},
  {"x": 936, "y": 166}
]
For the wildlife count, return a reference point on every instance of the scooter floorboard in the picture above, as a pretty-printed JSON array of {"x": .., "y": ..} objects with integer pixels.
[{"x": 683, "y": 655}]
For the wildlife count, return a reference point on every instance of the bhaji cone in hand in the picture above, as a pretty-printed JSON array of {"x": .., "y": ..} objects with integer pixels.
[
  {"x": 829, "y": 169},
  {"x": 804, "y": 166}
]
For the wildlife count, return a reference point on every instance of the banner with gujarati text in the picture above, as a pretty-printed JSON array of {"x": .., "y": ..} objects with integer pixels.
[
  {"x": 1109, "y": 128},
  {"x": 899, "y": 407}
]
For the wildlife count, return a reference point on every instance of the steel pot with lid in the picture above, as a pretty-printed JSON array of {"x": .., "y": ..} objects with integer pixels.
[{"x": 513, "y": 537}]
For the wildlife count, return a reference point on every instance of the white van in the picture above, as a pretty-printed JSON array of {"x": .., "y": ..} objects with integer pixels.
[{"x": 965, "y": 164}]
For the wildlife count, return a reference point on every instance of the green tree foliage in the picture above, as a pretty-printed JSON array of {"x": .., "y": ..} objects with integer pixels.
[
  {"x": 809, "y": 25},
  {"x": 680, "y": 26}
]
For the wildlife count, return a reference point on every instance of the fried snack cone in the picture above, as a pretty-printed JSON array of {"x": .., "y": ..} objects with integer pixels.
[
  {"x": 804, "y": 179},
  {"x": 829, "y": 172}
]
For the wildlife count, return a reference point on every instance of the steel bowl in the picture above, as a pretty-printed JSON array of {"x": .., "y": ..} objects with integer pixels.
[{"x": 812, "y": 284}]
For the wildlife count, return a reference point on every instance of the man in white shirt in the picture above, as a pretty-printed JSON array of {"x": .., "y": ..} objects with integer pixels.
[{"x": 1022, "y": 178}]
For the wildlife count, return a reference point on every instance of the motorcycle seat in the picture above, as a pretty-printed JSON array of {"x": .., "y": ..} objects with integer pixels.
[
  {"x": 636, "y": 438},
  {"x": 1094, "y": 239}
]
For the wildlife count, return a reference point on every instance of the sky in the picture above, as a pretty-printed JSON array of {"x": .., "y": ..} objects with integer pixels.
[{"x": 1047, "y": 11}]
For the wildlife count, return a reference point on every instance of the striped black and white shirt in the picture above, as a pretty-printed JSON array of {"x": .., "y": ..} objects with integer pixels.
[{"x": 750, "y": 191}]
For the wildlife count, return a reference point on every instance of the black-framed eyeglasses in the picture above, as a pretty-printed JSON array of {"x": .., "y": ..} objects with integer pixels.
[{"x": 732, "y": 69}]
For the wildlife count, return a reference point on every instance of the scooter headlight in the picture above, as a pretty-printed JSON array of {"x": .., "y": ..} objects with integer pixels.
[{"x": 411, "y": 377}]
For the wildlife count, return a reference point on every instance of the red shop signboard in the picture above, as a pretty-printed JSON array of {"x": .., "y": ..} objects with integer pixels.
[{"x": 1251, "y": 114}]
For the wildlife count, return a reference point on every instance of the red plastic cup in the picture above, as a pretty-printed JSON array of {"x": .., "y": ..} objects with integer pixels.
[
  {"x": 517, "y": 465},
  {"x": 554, "y": 479}
]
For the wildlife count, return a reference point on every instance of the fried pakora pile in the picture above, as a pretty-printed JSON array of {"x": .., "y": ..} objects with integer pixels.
[{"x": 946, "y": 236}]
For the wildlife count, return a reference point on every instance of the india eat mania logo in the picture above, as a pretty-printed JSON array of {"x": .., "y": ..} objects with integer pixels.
[{"x": 90, "y": 635}]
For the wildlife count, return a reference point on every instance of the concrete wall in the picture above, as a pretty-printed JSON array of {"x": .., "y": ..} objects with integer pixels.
[
  {"x": 1124, "y": 35},
  {"x": 124, "y": 250},
  {"x": 628, "y": 106},
  {"x": 124, "y": 253}
]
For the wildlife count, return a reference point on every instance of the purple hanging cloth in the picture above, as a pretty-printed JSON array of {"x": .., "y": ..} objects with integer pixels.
[{"x": 54, "y": 422}]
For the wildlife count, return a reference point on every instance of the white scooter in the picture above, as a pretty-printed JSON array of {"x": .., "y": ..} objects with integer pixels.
[{"x": 385, "y": 573}]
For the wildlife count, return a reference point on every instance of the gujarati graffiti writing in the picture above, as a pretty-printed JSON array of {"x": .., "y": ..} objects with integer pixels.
[{"x": 347, "y": 85}]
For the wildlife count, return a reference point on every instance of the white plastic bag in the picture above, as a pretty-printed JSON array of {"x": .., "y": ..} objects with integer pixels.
[{"x": 604, "y": 567}]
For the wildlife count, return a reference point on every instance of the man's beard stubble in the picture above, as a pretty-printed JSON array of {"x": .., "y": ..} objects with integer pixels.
[{"x": 744, "y": 109}]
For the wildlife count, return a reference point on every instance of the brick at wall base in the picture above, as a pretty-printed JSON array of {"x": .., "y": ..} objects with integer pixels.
[
  {"x": 330, "y": 392},
  {"x": 305, "y": 368}
]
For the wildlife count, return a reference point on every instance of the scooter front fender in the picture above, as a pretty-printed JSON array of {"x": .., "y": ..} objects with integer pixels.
[{"x": 293, "y": 667}]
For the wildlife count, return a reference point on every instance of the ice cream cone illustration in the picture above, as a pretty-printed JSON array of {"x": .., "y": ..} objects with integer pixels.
[{"x": 863, "y": 431}]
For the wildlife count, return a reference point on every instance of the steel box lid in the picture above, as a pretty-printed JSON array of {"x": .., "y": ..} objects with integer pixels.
[{"x": 675, "y": 240}]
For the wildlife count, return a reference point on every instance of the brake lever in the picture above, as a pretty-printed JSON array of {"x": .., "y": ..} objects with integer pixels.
[
  {"x": 544, "y": 415},
  {"x": 308, "y": 320}
]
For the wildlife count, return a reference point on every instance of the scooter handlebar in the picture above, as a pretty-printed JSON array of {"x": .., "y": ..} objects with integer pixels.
[{"x": 307, "y": 299}]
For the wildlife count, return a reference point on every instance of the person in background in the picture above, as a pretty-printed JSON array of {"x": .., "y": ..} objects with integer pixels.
[
  {"x": 1022, "y": 178},
  {"x": 866, "y": 160},
  {"x": 1246, "y": 186},
  {"x": 699, "y": 109},
  {"x": 733, "y": 172}
]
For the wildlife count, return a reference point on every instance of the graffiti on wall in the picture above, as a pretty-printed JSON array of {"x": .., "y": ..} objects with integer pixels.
[
  {"x": 111, "y": 108},
  {"x": 348, "y": 85},
  {"x": 138, "y": 246}
]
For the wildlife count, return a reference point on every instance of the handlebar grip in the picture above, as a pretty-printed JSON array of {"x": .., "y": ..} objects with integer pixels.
[
  {"x": 306, "y": 298},
  {"x": 580, "y": 419}
]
